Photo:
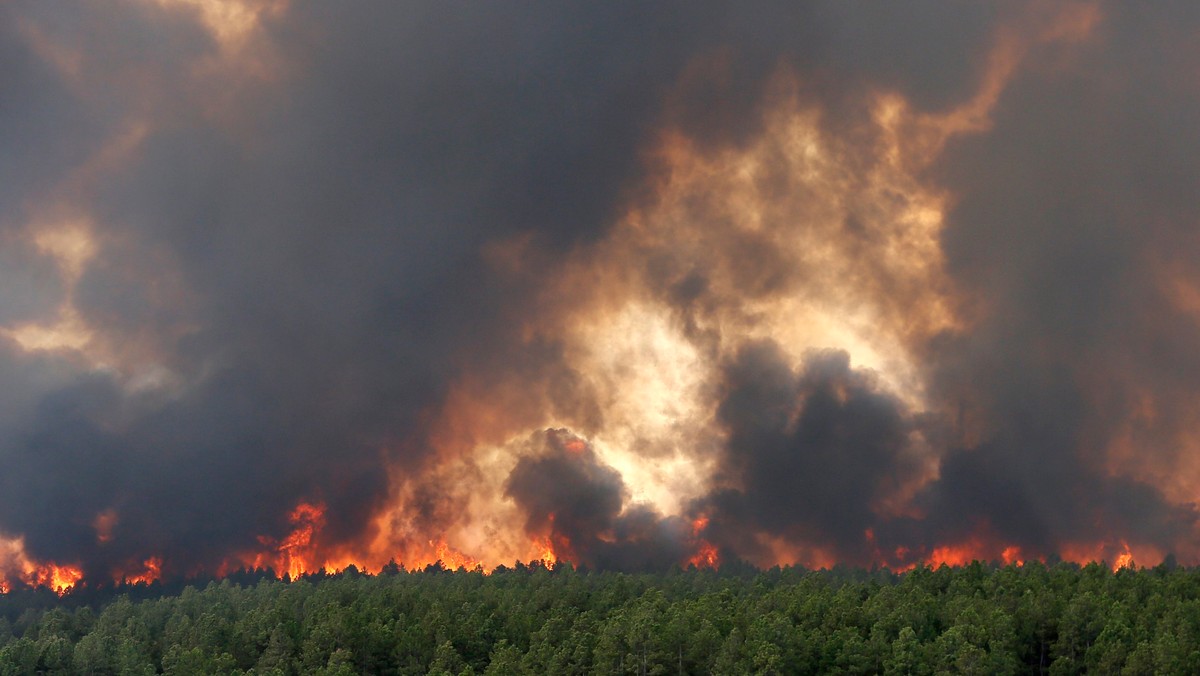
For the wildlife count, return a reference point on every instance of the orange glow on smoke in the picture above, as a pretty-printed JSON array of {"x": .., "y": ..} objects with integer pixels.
[
  {"x": 1012, "y": 555},
  {"x": 104, "y": 523}
]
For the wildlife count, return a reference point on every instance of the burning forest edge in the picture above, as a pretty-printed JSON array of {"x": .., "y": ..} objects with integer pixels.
[{"x": 577, "y": 515}]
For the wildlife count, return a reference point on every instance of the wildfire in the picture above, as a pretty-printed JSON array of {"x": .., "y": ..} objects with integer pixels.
[
  {"x": 296, "y": 553},
  {"x": 302, "y": 551},
  {"x": 546, "y": 547},
  {"x": 295, "y": 550},
  {"x": 954, "y": 555},
  {"x": 16, "y": 566},
  {"x": 978, "y": 547},
  {"x": 452, "y": 558},
  {"x": 53, "y": 576},
  {"x": 1124, "y": 559},
  {"x": 706, "y": 555},
  {"x": 151, "y": 572},
  {"x": 1012, "y": 555}
]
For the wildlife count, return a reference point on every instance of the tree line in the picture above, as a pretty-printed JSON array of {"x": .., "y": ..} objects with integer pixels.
[{"x": 1059, "y": 618}]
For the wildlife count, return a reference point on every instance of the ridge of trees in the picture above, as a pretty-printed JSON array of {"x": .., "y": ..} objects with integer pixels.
[{"x": 1059, "y": 618}]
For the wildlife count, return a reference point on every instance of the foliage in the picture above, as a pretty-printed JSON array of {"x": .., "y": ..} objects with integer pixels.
[{"x": 1057, "y": 619}]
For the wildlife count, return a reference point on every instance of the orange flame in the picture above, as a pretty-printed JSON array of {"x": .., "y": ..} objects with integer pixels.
[
  {"x": 1125, "y": 559},
  {"x": 452, "y": 558},
  {"x": 151, "y": 572},
  {"x": 954, "y": 555},
  {"x": 61, "y": 579},
  {"x": 302, "y": 551},
  {"x": 295, "y": 552},
  {"x": 546, "y": 547},
  {"x": 706, "y": 555},
  {"x": 16, "y": 566}
]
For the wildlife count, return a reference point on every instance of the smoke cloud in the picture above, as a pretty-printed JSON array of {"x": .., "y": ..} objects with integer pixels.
[{"x": 792, "y": 284}]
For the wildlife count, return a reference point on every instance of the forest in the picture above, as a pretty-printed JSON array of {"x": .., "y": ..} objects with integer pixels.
[{"x": 1056, "y": 618}]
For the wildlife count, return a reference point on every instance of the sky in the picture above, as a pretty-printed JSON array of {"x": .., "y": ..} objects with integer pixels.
[{"x": 632, "y": 285}]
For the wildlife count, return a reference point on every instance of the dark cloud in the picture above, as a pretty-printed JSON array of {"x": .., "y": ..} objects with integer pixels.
[
  {"x": 33, "y": 289},
  {"x": 809, "y": 452},
  {"x": 581, "y": 504},
  {"x": 1071, "y": 214}
]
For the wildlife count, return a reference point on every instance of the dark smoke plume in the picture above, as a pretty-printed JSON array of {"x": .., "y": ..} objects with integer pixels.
[{"x": 580, "y": 504}]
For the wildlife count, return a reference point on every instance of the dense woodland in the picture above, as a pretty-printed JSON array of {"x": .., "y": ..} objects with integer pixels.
[{"x": 978, "y": 619}]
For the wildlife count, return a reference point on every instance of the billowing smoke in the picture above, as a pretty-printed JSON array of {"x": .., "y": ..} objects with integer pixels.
[
  {"x": 812, "y": 453},
  {"x": 291, "y": 284},
  {"x": 580, "y": 505}
]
